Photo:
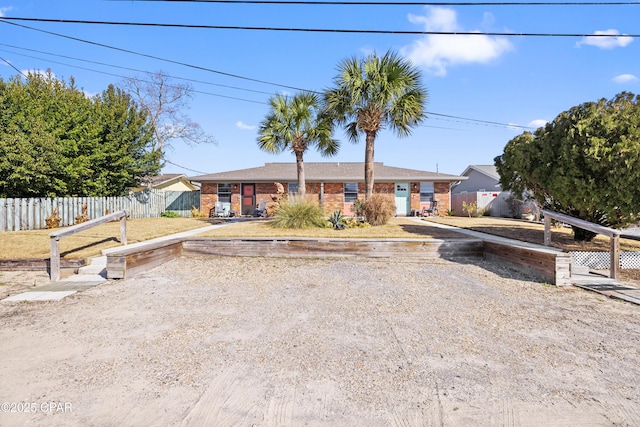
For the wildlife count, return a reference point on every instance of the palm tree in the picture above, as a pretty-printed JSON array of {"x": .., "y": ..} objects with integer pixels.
[
  {"x": 297, "y": 124},
  {"x": 373, "y": 93}
]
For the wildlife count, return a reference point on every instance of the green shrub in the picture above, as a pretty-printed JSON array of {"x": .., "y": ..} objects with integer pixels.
[
  {"x": 469, "y": 208},
  {"x": 169, "y": 214},
  {"x": 336, "y": 219},
  {"x": 451, "y": 212},
  {"x": 356, "y": 223},
  {"x": 379, "y": 209},
  {"x": 358, "y": 208},
  {"x": 299, "y": 213}
]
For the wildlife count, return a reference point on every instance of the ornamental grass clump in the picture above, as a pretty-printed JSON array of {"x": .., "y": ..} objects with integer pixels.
[
  {"x": 299, "y": 213},
  {"x": 379, "y": 209}
]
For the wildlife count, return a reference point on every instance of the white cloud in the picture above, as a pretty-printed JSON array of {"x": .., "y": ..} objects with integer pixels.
[
  {"x": 607, "y": 39},
  {"x": 625, "y": 78},
  {"x": 241, "y": 125},
  {"x": 437, "y": 52},
  {"x": 41, "y": 73},
  {"x": 4, "y": 9},
  {"x": 538, "y": 123}
]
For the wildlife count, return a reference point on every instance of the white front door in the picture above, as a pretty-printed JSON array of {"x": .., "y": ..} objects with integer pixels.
[{"x": 402, "y": 198}]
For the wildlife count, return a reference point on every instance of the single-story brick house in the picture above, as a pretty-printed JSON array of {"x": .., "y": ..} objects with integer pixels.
[{"x": 336, "y": 185}]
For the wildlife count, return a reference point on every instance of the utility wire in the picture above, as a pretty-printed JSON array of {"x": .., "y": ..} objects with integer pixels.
[
  {"x": 11, "y": 65},
  {"x": 3, "y": 20},
  {"x": 234, "y": 75},
  {"x": 457, "y": 118},
  {"x": 307, "y": 30},
  {"x": 401, "y": 3},
  {"x": 184, "y": 167},
  {"x": 135, "y": 78},
  {"x": 117, "y": 66}
]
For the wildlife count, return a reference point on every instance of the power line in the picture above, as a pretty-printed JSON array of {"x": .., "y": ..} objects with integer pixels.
[
  {"x": 184, "y": 167},
  {"x": 480, "y": 121},
  {"x": 118, "y": 66},
  {"x": 237, "y": 76},
  {"x": 3, "y": 20},
  {"x": 400, "y": 3},
  {"x": 12, "y": 66},
  {"x": 307, "y": 30},
  {"x": 458, "y": 118},
  {"x": 138, "y": 79}
]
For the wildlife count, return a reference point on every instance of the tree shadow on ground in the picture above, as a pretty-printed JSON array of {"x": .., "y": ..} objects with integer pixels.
[{"x": 90, "y": 245}]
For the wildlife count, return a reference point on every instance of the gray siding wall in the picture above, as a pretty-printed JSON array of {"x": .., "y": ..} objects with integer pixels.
[{"x": 477, "y": 181}]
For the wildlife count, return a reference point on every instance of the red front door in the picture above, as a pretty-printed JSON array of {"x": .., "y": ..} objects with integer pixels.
[{"x": 248, "y": 199}]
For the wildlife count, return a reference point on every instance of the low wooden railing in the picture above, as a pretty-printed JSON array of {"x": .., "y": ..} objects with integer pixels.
[
  {"x": 54, "y": 264},
  {"x": 613, "y": 234}
]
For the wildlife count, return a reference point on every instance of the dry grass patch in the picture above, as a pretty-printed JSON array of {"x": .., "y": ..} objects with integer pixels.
[
  {"x": 396, "y": 228},
  {"x": 533, "y": 232},
  {"x": 88, "y": 243}
]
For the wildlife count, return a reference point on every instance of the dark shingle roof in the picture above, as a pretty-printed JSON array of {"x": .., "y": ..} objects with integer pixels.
[{"x": 326, "y": 172}]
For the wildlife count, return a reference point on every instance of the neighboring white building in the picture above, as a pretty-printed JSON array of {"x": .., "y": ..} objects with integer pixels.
[{"x": 481, "y": 178}]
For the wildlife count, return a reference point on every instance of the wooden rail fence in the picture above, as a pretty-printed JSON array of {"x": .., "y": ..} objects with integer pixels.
[
  {"x": 57, "y": 235},
  {"x": 614, "y": 235}
]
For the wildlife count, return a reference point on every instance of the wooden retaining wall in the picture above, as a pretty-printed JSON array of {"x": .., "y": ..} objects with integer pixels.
[
  {"x": 126, "y": 263},
  {"x": 552, "y": 266},
  {"x": 371, "y": 248}
]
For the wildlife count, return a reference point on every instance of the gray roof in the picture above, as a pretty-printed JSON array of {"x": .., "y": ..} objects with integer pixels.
[
  {"x": 489, "y": 170},
  {"x": 324, "y": 172}
]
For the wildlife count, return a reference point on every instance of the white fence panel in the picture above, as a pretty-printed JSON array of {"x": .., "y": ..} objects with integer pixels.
[
  {"x": 495, "y": 202},
  {"x": 31, "y": 213}
]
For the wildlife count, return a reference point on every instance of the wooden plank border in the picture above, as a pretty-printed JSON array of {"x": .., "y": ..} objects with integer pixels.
[{"x": 550, "y": 265}]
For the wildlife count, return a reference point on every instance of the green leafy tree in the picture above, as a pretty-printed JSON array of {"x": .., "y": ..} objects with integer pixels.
[
  {"x": 125, "y": 153},
  {"x": 297, "y": 124},
  {"x": 373, "y": 93},
  {"x": 586, "y": 163},
  {"x": 55, "y": 141}
]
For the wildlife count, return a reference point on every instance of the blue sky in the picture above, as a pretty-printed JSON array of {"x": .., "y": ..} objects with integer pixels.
[{"x": 522, "y": 81}]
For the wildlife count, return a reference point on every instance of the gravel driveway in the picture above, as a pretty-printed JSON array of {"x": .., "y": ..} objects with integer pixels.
[{"x": 289, "y": 342}]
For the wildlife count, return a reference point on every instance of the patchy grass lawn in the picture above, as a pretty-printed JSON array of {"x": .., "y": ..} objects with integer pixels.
[
  {"x": 88, "y": 243},
  {"x": 35, "y": 243},
  {"x": 404, "y": 228},
  {"x": 533, "y": 232}
]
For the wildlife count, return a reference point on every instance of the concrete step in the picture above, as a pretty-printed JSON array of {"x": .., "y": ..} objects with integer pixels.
[
  {"x": 97, "y": 267},
  {"x": 579, "y": 269}
]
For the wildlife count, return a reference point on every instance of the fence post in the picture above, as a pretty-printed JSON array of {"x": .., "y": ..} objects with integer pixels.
[
  {"x": 54, "y": 261},
  {"x": 547, "y": 230},
  {"x": 123, "y": 229},
  {"x": 614, "y": 266}
]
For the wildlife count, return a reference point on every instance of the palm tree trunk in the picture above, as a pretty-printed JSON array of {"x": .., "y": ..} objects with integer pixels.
[
  {"x": 302, "y": 188},
  {"x": 368, "y": 164}
]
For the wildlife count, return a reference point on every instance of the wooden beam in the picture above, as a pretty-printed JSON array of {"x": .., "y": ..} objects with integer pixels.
[
  {"x": 54, "y": 260},
  {"x": 614, "y": 267},
  {"x": 581, "y": 223},
  {"x": 547, "y": 230}
]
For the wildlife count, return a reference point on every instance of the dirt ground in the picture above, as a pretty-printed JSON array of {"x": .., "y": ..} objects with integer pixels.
[{"x": 289, "y": 342}]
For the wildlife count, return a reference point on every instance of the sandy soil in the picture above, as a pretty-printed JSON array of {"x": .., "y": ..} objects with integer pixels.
[{"x": 275, "y": 342}]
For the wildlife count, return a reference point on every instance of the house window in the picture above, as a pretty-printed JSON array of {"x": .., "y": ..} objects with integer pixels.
[
  {"x": 426, "y": 191},
  {"x": 350, "y": 192},
  {"x": 224, "y": 193},
  {"x": 293, "y": 188}
]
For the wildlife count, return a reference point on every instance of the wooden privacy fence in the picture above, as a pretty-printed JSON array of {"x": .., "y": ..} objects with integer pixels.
[
  {"x": 57, "y": 235},
  {"x": 31, "y": 213}
]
